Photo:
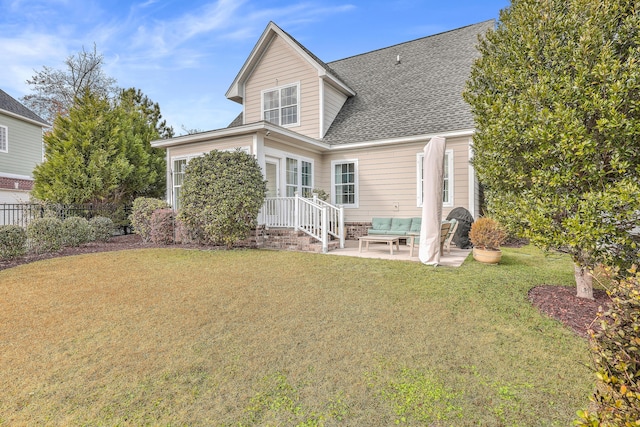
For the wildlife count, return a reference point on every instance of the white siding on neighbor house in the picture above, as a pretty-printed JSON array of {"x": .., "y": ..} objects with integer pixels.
[
  {"x": 13, "y": 196},
  {"x": 333, "y": 102},
  {"x": 279, "y": 66},
  {"x": 388, "y": 180}
]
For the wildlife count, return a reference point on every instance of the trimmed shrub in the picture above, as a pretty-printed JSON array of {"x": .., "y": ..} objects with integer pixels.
[
  {"x": 13, "y": 241},
  {"x": 102, "y": 228},
  {"x": 162, "y": 226},
  {"x": 45, "y": 235},
  {"x": 616, "y": 351},
  {"x": 221, "y": 196},
  {"x": 140, "y": 217},
  {"x": 75, "y": 231}
]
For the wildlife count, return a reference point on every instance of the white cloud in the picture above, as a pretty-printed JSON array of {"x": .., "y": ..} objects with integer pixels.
[
  {"x": 29, "y": 51},
  {"x": 162, "y": 37}
]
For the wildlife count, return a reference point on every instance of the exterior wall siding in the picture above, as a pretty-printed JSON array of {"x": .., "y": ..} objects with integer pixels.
[
  {"x": 387, "y": 176},
  {"x": 333, "y": 102},
  {"x": 207, "y": 146},
  {"x": 281, "y": 65},
  {"x": 25, "y": 147}
]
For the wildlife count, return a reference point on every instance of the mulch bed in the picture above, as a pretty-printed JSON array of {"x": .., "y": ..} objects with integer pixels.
[
  {"x": 558, "y": 302},
  {"x": 561, "y": 303}
]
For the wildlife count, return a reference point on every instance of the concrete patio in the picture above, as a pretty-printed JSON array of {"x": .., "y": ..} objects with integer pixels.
[{"x": 381, "y": 251}]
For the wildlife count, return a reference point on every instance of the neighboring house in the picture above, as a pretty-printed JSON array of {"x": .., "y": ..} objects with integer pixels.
[
  {"x": 355, "y": 127},
  {"x": 20, "y": 149}
]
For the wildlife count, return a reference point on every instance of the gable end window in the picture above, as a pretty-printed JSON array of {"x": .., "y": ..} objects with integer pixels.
[
  {"x": 447, "y": 187},
  {"x": 281, "y": 105},
  {"x": 4, "y": 139}
]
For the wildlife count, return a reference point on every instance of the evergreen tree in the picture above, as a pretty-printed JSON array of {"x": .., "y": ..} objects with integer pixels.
[
  {"x": 100, "y": 153},
  {"x": 556, "y": 99}
]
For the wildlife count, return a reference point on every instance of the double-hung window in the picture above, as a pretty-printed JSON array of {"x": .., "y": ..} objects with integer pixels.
[
  {"x": 178, "y": 171},
  {"x": 4, "y": 139},
  {"x": 179, "y": 167},
  {"x": 299, "y": 177},
  {"x": 447, "y": 189},
  {"x": 281, "y": 105},
  {"x": 344, "y": 183}
]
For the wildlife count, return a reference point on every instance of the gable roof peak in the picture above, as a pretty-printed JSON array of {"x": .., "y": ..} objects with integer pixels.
[{"x": 272, "y": 30}]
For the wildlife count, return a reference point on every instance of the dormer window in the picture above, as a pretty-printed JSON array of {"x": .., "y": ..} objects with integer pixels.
[{"x": 281, "y": 105}]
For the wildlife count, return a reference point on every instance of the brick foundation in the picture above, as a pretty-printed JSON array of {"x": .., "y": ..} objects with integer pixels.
[
  {"x": 15, "y": 183},
  {"x": 354, "y": 230}
]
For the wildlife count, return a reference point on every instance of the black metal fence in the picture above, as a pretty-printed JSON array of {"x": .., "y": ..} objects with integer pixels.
[{"x": 22, "y": 213}]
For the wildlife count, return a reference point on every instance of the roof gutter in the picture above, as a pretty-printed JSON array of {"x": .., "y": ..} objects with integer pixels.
[
  {"x": 401, "y": 140},
  {"x": 266, "y": 128}
]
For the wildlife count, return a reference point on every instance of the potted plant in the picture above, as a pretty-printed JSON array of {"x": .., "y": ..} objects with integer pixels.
[{"x": 487, "y": 235}]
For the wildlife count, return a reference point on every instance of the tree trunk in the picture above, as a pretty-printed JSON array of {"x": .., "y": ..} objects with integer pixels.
[{"x": 584, "y": 282}]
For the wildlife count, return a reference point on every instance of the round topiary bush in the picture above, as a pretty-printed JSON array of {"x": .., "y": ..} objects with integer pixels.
[
  {"x": 44, "y": 235},
  {"x": 13, "y": 241},
  {"x": 75, "y": 231},
  {"x": 221, "y": 196},
  {"x": 102, "y": 228},
  {"x": 143, "y": 208}
]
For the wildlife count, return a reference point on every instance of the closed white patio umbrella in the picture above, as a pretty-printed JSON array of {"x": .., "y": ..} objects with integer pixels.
[{"x": 432, "y": 184}]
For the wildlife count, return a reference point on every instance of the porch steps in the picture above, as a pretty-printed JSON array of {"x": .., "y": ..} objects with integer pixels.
[{"x": 285, "y": 239}]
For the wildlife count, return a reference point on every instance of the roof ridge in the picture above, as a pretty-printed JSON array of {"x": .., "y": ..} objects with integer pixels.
[{"x": 411, "y": 41}]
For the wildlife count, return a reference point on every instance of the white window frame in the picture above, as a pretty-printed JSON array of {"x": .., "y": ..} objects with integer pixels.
[
  {"x": 298, "y": 184},
  {"x": 174, "y": 199},
  {"x": 4, "y": 142},
  {"x": 356, "y": 197},
  {"x": 448, "y": 158},
  {"x": 280, "y": 107}
]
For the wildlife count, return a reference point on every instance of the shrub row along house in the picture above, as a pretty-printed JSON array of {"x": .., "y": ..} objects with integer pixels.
[
  {"x": 354, "y": 128},
  {"x": 20, "y": 148}
]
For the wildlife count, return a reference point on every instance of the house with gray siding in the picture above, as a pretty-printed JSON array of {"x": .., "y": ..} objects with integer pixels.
[
  {"x": 20, "y": 148},
  {"x": 355, "y": 127}
]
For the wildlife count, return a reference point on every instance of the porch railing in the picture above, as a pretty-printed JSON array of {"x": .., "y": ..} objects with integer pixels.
[{"x": 314, "y": 217}]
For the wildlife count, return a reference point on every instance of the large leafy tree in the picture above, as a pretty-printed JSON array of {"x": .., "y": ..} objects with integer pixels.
[
  {"x": 54, "y": 90},
  {"x": 100, "y": 152},
  {"x": 556, "y": 99}
]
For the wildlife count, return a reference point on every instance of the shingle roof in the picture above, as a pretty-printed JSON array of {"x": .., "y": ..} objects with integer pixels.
[
  {"x": 9, "y": 104},
  {"x": 237, "y": 121},
  {"x": 420, "y": 95}
]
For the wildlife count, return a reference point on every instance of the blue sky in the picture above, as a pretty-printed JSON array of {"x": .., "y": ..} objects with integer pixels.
[{"x": 184, "y": 54}]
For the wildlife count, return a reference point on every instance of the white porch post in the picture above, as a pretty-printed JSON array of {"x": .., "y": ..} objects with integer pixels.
[
  {"x": 296, "y": 212},
  {"x": 258, "y": 151},
  {"x": 325, "y": 230},
  {"x": 341, "y": 225}
]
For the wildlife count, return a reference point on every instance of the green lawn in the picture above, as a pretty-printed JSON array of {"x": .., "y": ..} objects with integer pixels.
[{"x": 185, "y": 337}]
